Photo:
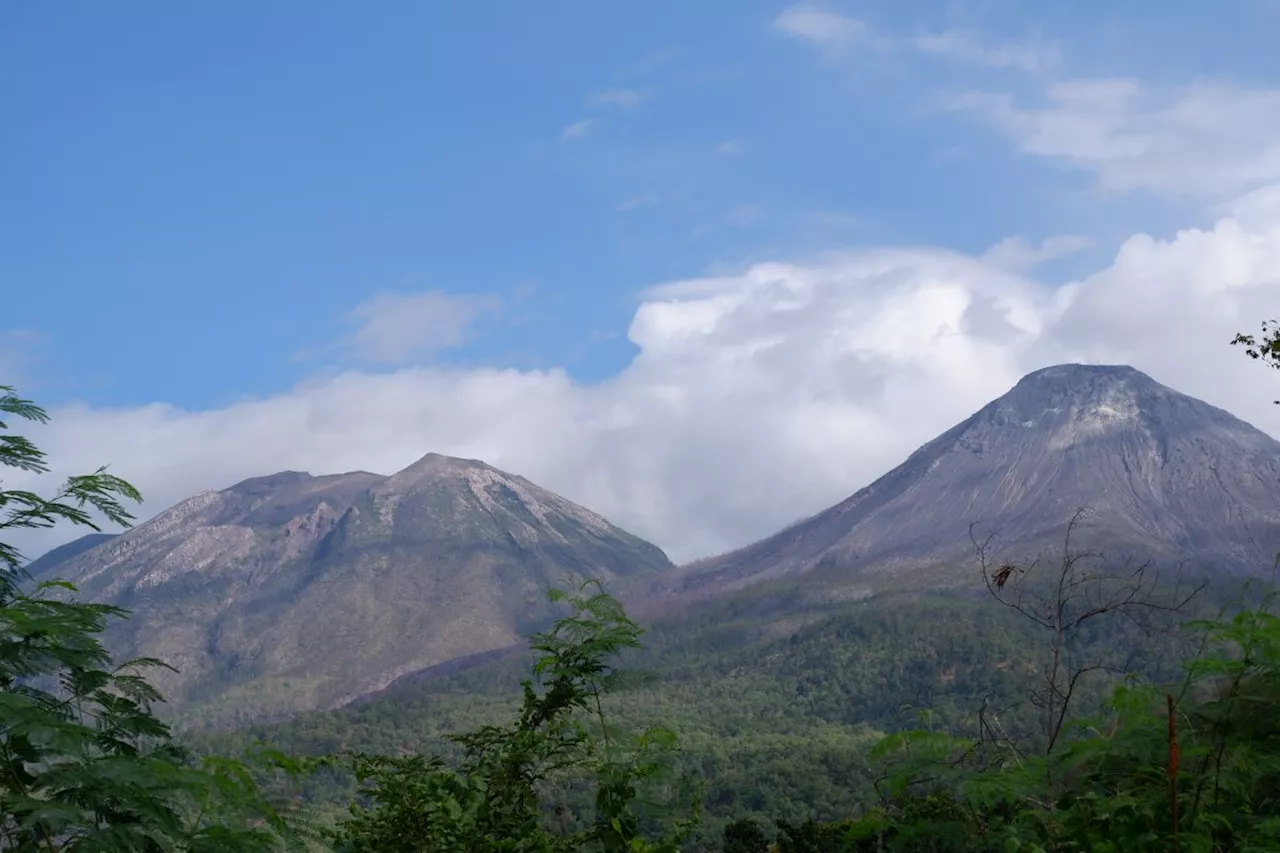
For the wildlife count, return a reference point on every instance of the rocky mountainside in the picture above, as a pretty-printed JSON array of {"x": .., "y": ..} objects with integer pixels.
[
  {"x": 292, "y": 591},
  {"x": 1163, "y": 474}
]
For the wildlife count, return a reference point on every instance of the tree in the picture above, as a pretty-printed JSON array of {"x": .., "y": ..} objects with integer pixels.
[
  {"x": 1190, "y": 764},
  {"x": 1064, "y": 600},
  {"x": 85, "y": 765},
  {"x": 500, "y": 797},
  {"x": 745, "y": 836},
  {"x": 72, "y": 503},
  {"x": 1266, "y": 349}
]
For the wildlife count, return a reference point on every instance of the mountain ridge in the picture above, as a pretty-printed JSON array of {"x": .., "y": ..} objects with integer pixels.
[
  {"x": 1162, "y": 470},
  {"x": 328, "y": 579},
  {"x": 292, "y": 591}
]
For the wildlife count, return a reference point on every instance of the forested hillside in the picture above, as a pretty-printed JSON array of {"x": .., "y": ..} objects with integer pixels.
[
  {"x": 774, "y": 727},
  {"x": 1074, "y": 704}
]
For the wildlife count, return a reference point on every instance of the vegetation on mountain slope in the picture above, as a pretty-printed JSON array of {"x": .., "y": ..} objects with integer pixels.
[
  {"x": 1186, "y": 760},
  {"x": 779, "y": 720},
  {"x": 85, "y": 765}
]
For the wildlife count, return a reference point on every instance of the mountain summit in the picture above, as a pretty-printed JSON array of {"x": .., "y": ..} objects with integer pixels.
[
  {"x": 292, "y": 591},
  {"x": 1163, "y": 473}
]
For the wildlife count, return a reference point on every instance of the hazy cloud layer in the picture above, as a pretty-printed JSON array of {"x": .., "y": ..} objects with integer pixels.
[
  {"x": 396, "y": 328},
  {"x": 1211, "y": 139},
  {"x": 953, "y": 44},
  {"x": 578, "y": 129},
  {"x": 820, "y": 26},
  {"x": 625, "y": 98},
  {"x": 836, "y": 33},
  {"x": 755, "y": 398},
  {"x": 1015, "y": 253}
]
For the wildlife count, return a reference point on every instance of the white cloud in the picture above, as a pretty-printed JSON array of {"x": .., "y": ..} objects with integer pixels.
[
  {"x": 1036, "y": 57},
  {"x": 578, "y": 129},
  {"x": 1210, "y": 139},
  {"x": 397, "y": 328},
  {"x": 1015, "y": 253},
  {"x": 1257, "y": 208},
  {"x": 827, "y": 29},
  {"x": 625, "y": 98},
  {"x": 836, "y": 33},
  {"x": 755, "y": 398}
]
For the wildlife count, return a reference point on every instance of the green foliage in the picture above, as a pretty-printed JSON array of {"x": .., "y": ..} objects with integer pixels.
[
  {"x": 773, "y": 724},
  {"x": 504, "y": 794},
  {"x": 744, "y": 835},
  {"x": 1265, "y": 349},
  {"x": 84, "y": 763},
  {"x": 1193, "y": 766},
  {"x": 74, "y": 502}
]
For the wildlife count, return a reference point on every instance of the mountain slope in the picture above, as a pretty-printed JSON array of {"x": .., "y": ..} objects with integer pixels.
[
  {"x": 63, "y": 553},
  {"x": 292, "y": 591},
  {"x": 1163, "y": 473}
]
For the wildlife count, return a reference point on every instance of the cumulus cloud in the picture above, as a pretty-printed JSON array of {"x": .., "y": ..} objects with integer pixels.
[
  {"x": 1255, "y": 209},
  {"x": 755, "y": 398},
  {"x": 1210, "y": 139},
  {"x": 397, "y": 328}
]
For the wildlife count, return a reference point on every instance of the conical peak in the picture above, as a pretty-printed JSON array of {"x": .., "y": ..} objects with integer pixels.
[
  {"x": 441, "y": 469},
  {"x": 1109, "y": 391},
  {"x": 1086, "y": 375},
  {"x": 439, "y": 463},
  {"x": 1163, "y": 471}
]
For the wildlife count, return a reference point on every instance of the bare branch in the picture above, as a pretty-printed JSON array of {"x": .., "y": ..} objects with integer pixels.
[{"x": 1083, "y": 588}]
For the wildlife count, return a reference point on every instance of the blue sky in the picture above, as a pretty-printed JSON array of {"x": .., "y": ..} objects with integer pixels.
[
  {"x": 199, "y": 194},
  {"x": 208, "y": 204}
]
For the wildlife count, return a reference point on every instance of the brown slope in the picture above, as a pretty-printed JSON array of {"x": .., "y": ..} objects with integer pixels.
[{"x": 292, "y": 591}]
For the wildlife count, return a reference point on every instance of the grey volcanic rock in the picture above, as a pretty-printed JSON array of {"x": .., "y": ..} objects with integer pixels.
[
  {"x": 1163, "y": 474},
  {"x": 63, "y": 553},
  {"x": 292, "y": 591}
]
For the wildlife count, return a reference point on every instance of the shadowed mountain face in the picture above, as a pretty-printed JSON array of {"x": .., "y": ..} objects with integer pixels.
[
  {"x": 1163, "y": 474},
  {"x": 291, "y": 591}
]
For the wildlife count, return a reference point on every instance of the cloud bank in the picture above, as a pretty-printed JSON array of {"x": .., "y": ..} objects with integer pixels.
[{"x": 754, "y": 398}]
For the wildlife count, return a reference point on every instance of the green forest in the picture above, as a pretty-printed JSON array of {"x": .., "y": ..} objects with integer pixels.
[{"x": 1076, "y": 706}]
